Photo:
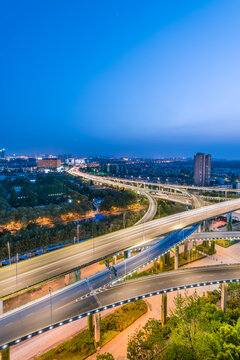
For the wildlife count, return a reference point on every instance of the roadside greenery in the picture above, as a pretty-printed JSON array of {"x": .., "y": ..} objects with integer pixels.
[
  {"x": 166, "y": 263},
  {"x": 196, "y": 330},
  {"x": 34, "y": 236},
  {"x": 83, "y": 345},
  {"x": 27, "y": 228},
  {"x": 218, "y": 194},
  {"x": 105, "y": 356},
  {"x": 166, "y": 208}
]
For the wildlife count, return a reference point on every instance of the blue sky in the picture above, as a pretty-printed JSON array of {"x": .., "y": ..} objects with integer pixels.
[{"x": 122, "y": 77}]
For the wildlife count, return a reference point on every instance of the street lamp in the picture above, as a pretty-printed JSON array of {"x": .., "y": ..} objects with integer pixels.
[
  {"x": 9, "y": 256},
  {"x": 16, "y": 272},
  {"x": 50, "y": 294},
  {"x": 93, "y": 248}
]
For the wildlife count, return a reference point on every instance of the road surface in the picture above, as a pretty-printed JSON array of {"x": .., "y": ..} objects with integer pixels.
[
  {"x": 27, "y": 320},
  {"x": 50, "y": 265}
]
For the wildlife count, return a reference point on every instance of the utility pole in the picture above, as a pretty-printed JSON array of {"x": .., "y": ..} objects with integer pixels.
[
  {"x": 9, "y": 256},
  {"x": 16, "y": 272},
  {"x": 93, "y": 248},
  {"x": 124, "y": 220},
  {"x": 50, "y": 294}
]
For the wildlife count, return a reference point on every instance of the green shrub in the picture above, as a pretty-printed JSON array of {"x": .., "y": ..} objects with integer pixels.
[
  {"x": 59, "y": 349},
  {"x": 105, "y": 356}
]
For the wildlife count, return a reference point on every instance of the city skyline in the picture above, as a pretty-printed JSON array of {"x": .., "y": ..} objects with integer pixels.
[{"x": 144, "y": 81}]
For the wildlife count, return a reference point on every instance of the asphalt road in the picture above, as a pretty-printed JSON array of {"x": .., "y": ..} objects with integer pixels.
[
  {"x": 215, "y": 235},
  {"x": 68, "y": 303},
  {"x": 37, "y": 269},
  {"x": 167, "y": 186},
  {"x": 151, "y": 211},
  {"x": 42, "y": 268},
  {"x": 84, "y": 288}
]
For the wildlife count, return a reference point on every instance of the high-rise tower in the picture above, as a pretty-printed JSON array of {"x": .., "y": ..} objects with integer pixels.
[{"x": 202, "y": 169}]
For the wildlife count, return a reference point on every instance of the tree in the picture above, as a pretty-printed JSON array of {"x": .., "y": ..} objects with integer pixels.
[
  {"x": 146, "y": 343},
  {"x": 13, "y": 198},
  {"x": 194, "y": 327}
]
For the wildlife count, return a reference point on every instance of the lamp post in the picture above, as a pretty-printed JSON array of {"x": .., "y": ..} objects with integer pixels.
[
  {"x": 16, "y": 272},
  {"x": 93, "y": 248},
  {"x": 50, "y": 296},
  {"x": 9, "y": 255}
]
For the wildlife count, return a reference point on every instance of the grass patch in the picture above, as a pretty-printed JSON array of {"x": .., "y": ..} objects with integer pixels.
[
  {"x": 226, "y": 243},
  {"x": 83, "y": 345},
  {"x": 156, "y": 268}
]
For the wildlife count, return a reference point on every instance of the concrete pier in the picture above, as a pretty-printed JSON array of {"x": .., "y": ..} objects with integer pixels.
[
  {"x": 164, "y": 309},
  {"x": 229, "y": 221},
  {"x": 97, "y": 327},
  {"x": 224, "y": 297},
  {"x": 185, "y": 248},
  {"x": 77, "y": 274},
  {"x": 67, "y": 279},
  {"x": 161, "y": 263},
  {"x": 5, "y": 354},
  {"x": 176, "y": 258}
]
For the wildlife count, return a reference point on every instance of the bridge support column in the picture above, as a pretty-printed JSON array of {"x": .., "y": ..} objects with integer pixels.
[
  {"x": 6, "y": 353},
  {"x": 229, "y": 221},
  {"x": 90, "y": 322},
  {"x": 167, "y": 258},
  {"x": 206, "y": 225},
  {"x": 176, "y": 258},
  {"x": 199, "y": 228},
  {"x": 194, "y": 245},
  {"x": 161, "y": 263},
  {"x": 127, "y": 254},
  {"x": 67, "y": 279},
  {"x": 97, "y": 327},
  {"x": 164, "y": 309},
  {"x": 224, "y": 297},
  {"x": 114, "y": 259},
  {"x": 77, "y": 274},
  {"x": 212, "y": 245},
  {"x": 185, "y": 248}
]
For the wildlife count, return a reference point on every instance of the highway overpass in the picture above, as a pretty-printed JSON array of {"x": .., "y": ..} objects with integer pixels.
[
  {"x": 178, "y": 188},
  {"x": 50, "y": 265},
  {"x": 70, "y": 303},
  {"x": 216, "y": 235},
  {"x": 35, "y": 318}
]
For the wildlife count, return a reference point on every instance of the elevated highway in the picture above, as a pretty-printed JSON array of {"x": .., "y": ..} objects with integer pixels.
[
  {"x": 216, "y": 235},
  {"x": 47, "y": 266},
  {"x": 163, "y": 191},
  {"x": 35, "y": 318},
  {"x": 179, "y": 188},
  {"x": 71, "y": 303}
]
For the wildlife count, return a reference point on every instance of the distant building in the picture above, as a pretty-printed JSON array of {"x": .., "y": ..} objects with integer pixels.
[
  {"x": 202, "y": 169},
  {"x": 2, "y": 153},
  {"x": 49, "y": 163},
  {"x": 77, "y": 162},
  {"x": 18, "y": 163},
  {"x": 237, "y": 185},
  {"x": 207, "y": 169},
  {"x": 64, "y": 157}
]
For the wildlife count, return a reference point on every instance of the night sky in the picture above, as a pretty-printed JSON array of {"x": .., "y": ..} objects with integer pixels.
[{"x": 120, "y": 77}]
